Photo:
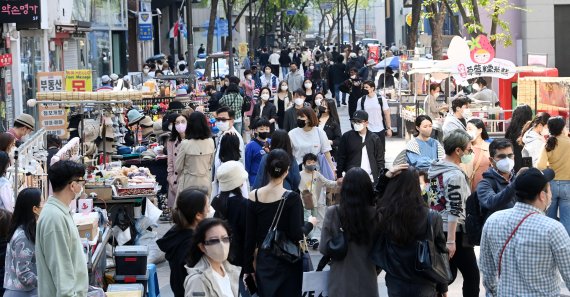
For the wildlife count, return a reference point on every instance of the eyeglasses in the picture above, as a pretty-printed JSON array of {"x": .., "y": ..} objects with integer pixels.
[
  {"x": 213, "y": 241},
  {"x": 221, "y": 120},
  {"x": 502, "y": 156},
  {"x": 78, "y": 180}
]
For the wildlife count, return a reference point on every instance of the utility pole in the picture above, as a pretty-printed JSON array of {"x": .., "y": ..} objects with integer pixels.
[
  {"x": 190, "y": 58},
  {"x": 282, "y": 25},
  {"x": 338, "y": 24},
  {"x": 250, "y": 32},
  {"x": 230, "y": 38}
]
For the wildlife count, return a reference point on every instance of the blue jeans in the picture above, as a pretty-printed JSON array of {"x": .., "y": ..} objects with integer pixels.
[
  {"x": 337, "y": 93},
  {"x": 238, "y": 126},
  {"x": 560, "y": 202},
  {"x": 284, "y": 71}
]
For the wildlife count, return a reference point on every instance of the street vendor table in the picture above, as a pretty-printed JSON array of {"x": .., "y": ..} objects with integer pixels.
[{"x": 97, "y": 263}]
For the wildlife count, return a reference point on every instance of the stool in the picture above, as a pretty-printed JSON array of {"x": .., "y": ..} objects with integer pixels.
[{"x": 152, "y": 285}]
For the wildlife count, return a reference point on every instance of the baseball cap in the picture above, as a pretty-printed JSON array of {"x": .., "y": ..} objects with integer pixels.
[
  {"x": 105, "y": 78},
  {"x": 359, "y": 115},
  {"x": 530, "y": 182}
]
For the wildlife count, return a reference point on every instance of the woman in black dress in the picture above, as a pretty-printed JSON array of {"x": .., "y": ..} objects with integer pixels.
[
  {"x": 274, "y": 277},
  {"x": 264, "y": 109},
  {"x": 329, "y": 121},
  {"x": 310, "y": 91},
  {"x": 282, "y": 101}
]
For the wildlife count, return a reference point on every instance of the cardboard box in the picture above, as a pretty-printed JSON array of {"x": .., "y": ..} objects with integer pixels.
[
  {"x": 88, "y": 230},
  {"x": 103, "y": 192}
]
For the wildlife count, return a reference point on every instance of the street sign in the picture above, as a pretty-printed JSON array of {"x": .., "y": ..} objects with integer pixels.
[
  {"x": 78, "y": 80},
  {"x": 20, "y": 11},
  {"x": 291, "y": 12},
  {"x": 5, "y": 60},
  {"x": 145, "y": 32}
]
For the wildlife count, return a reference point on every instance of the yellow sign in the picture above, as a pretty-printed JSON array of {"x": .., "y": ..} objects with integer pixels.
[
  {"x": 52, "y": 117},
  {"x": 409, "y": 19},
  {"x": 78, "y": 80},
  {"x": 242, "y": 51}
]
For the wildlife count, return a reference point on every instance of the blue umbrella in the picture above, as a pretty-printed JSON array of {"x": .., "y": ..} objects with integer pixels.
[{"x": 393, "y": 62}]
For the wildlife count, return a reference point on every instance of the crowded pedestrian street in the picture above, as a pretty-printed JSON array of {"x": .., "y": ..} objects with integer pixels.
[{"x": 381, "y": 148}]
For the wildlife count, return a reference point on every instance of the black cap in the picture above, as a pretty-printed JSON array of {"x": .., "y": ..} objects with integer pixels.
[
  {"x": 175, "y": 105},
  {"x": 359, "y": 115},
  {"x": 529, "y": 183}
]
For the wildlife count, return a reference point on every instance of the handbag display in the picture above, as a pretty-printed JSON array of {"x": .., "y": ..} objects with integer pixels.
[
  {"x": 337, "y": 247},
  {"x": 432, "y": 263},
  {"x": 276, "y": 242}
]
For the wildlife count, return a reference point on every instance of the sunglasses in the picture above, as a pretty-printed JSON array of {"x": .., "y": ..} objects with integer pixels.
[
  {"x": 221, "y": 120},
  {"x": 213, "y": 241}
]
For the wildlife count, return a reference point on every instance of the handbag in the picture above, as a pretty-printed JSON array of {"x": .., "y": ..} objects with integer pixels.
[
  {"x": 307, "y": 197},
  {"x": 432, "y": 263},
  {"x": 307, "y": 262},
  {"x": 337, "y": 247},
  {"x": 276, "y": 242}
]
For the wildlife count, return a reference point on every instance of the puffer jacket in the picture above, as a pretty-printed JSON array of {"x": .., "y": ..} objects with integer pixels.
[{"x": 201, "y": 280}]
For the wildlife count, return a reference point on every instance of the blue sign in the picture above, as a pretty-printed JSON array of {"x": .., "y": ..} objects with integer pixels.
[
  {"x": 145, "y": 32},
  {"x": 291, "y": 12}
]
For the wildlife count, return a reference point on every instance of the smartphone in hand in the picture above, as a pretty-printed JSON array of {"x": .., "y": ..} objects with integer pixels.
[
  {"x": 527, "y": 162},
  {"x": 250, "y": 284}
]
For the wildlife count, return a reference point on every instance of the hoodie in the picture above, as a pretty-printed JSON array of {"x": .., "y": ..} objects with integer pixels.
[
  {"x": 495, "y": 192},
  {"x": 533, "y": 145},
  {"x": 201, "y": 280},
  {"x": 176, "y": 245},
  {"x": 451, "y": 123},
  {"x": 449, "y": 190}
]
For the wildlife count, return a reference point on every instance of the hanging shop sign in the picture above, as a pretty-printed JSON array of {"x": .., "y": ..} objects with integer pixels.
[
  {"x": 78, "y": 80},
  {"x": 5, "y": 60},
  {"x": 20, "y": 11},
  {"x": 52, "y": 117}
]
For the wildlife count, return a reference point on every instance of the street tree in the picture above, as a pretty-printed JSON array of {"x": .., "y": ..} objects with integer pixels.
[{"x": 351, "y": 7}]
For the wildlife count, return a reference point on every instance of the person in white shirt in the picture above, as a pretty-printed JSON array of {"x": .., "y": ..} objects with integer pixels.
[
  {"x": 379, "y": 120},
  {"x": 274, "y": 62},
  {"x": 483, "y": 93}
]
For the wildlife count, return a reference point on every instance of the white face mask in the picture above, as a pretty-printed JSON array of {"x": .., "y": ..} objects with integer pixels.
[
  {"x": 358, "y": 127},
  {"x": 223, "y": 126},
  {"x": 78, "y": 195},
  {"x": 318, "y": 102},
  {"x": 353, "y": 76},
  {"x": 312, "y": 67},
  {"x": 146, "y": 70},
  {"x": 308, "y": 85},
  {"x": 284, "y": 88},
  {"x": 467, "y": 113},
  {"x": 299, "y": 101},
  {"x": 248, "y": 76},
  {"x": 181, "y": 128},
  {"x": 218, "y": 252},
  {"x": 505, "y": 165},
  {"x": 264, "y": 97}
]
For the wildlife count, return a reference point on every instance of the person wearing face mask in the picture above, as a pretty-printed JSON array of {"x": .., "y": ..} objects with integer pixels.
[
  {"x": 290, "y": 117},
  {"x": 450, "y": 189},
  {"x": 455, "y": 120},
  {"x": 354, "y": 87},
  {"x": 555, "y": 155},
  {"x": 6, "y": 187},
  {"x": 309, "y": 89},
  {"x": 336, "y": 78},
  {"x": 435, "y": 109},
  {"x": 209, "y": 271},
  {"x": 24, "y": 125},
  {"x": 480, "y": 163},
  {"x": 533, "y": 137},
  {"x": 329, "y": 121},
  {"x": 282, "y": 101},
  {"x": 192, "y": 207},
  {"x": 178, "y": 124},
  {"x": 195, "y": 155},
  {"x": 224, "y": 121},
  {"x": 422, "y": 150},
  {"x": 60, "y": 259},
  {"x": 313, "y": 74},
  {"x": 483, "y": 93},
  {"x": 256, "y": 148},
  {"x": 268, "y": 79},
  {"x": 264, "y": 109},
  {"x": 284, "y": 62},
  {"x": 535, "y": 251},
  {"x": 145, "y": 73},
  {"x": 360, "y": 148},
  {"x": 295, "y": 77}
]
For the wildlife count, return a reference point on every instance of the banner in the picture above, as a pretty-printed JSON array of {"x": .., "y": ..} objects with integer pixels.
[
  {"x": 315, "y": 284},
  {"x": 374, "y": 52},
  {"x": 78, "y": 80},
  {"x": 52, "y": 117}
]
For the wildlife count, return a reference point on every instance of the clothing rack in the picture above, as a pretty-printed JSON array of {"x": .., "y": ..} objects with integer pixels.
[{"x": 33, "y": 145}]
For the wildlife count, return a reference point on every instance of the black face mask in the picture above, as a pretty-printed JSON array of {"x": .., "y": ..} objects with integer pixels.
[
  {"x": 263, "y": 135},
  {"x": 301, "y": 123}
]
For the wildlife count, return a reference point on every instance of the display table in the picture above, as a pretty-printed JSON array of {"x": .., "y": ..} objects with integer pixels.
[
  {"x": 112, "y": 206},
  {"x": 98, "y": 261}
]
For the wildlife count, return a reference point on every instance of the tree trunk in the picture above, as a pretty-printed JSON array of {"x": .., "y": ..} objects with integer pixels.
[
  {"x": 321, "y": 23},
  {"x": 210, "y": 37},
  {"x": 290, "y": 23},
  {"x": 436, "y": 23},
  {"x": 494, "y": 24},
  {"x": 416, "y": 13},
  {"x": 332, "y": 30},
  {"x": 351, "y": 20}
]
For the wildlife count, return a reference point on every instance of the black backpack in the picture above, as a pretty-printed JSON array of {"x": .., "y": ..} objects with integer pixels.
[
  {"x": 475, "y": 218},
  {"x": 246, "y": 104}
]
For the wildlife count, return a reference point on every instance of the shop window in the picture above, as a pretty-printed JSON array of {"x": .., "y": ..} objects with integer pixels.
[{"x": 99, "y": 53}]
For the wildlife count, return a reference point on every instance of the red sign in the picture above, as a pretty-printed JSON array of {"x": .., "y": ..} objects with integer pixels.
[
  {"x": 374, "y": 52},
  {"x": 5, "y": 60}
]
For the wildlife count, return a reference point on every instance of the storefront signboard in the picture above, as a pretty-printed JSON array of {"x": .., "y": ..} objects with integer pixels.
[
  {"x": 52, "y": 117},
  {"x": 20, "y": 11},
  {"x": 78, "y": 80}
]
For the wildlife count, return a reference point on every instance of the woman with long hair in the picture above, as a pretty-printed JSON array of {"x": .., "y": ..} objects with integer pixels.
[
  {"x": 274, "y": 276},
  {"x": 192, "y": 207},
  {"x": 481, "y": 162},
  {"x": 6, "y": 187},
  {"x": 280, "y": 140},
  {"x": 264, "y": 109},
  {"x": 195, "y": 155},
  {"x": 533, "y": 137},
  {"x": 282, "y": 101},
  {"x": 229, "y": 151},
  {"x": 209, "y": 272},
  {"x": 310, "y": 91},
  {"x": 403, "y": 220},
  {"x": 177, "y": 134},
  {"x": 356, "y": 216},
  {"x": 521, "y": 115},
  {"x": 21, "y": 273},
  {"x": 309, "y": 138},
  {"x": 329, "y": 121},
  {"x": 555, "y": 155},
  {"x": 421, "y": 150}
]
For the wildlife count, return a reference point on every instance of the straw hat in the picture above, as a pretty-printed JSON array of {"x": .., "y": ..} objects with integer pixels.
[{"x": 26, "y": 120}]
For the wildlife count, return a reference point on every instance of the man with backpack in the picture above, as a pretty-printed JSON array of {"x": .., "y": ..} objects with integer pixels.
[{"x": 379, "y": 120}]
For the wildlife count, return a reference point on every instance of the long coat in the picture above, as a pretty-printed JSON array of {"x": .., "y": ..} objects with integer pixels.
[{"x": 194, "y": 164}]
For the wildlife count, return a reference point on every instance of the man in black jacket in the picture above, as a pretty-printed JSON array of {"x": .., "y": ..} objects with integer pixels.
[
  {"x": 336, "y": 77},
  {"x": 355, "y": 143}
]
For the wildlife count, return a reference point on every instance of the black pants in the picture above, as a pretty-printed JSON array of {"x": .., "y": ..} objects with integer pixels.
[
  {"x": 275, "y": 69},
  {"x": 382, "y": 135},
  {"x": 465, "y": 260}
]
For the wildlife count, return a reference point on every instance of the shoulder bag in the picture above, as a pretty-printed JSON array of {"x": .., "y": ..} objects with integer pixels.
[
  {"x": 337, "y": 247},
  {"x": 276, "y": 242},
  {"x": 430, "y": 262}
]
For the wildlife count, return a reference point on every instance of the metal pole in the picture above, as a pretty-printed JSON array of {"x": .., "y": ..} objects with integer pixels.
[
  {"x": 365, "y": 23},
  {"x": 230, "y": 38},
  {"x": 341, "y": 26},
  {"x": 338, "y": 24},
  {"x": 190, "y": 40},
  {"x": 250, "y": 32},
  {"x": 282, "y": 25}
]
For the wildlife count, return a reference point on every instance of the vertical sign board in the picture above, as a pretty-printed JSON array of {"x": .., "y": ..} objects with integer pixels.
[
  {"x": 9, "y": 116},
  {"x": 78, "y": 80},
  {"x": 145, "y": 26},
  {"x": 52, "y": 117}
]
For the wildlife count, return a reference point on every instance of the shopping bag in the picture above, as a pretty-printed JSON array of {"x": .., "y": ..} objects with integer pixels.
[{"x": 315, "y": 283}]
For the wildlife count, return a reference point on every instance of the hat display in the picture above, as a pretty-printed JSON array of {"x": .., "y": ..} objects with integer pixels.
[
  {"x": 157, "y": 127},
  {"x": 105, "y": 78},
  {"x": 231, "y": 175},
  {"x": 26, "y": 120},
  {"x": 359, "y": 115},
  {"x": 530, "y": 182},
  {"x": 146, "y": 122},
  {"x": 114, "y": 76},
  {"x": 89, "y": 130},
  {"x": 134, "y": 116}
]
